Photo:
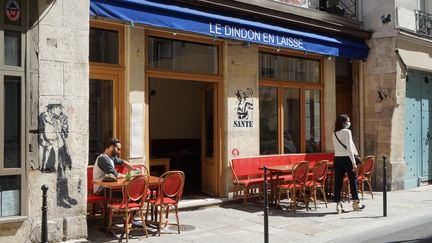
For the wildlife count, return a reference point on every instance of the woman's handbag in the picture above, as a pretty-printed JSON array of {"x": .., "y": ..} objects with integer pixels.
[{"x": 357, "y": 159}]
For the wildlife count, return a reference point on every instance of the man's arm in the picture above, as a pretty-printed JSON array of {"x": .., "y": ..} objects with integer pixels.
[{"x": 106, "y": 166}]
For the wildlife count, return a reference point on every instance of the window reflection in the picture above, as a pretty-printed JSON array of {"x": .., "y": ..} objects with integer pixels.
[
  {"x": 12, "y": 48},
  {"x": 286, "y": 68},
  {"x": 12, "y": 122},
  {"x": 182, "y": 56},
  {"x": 104, "y": 46},
  {"x": 291, "y": 120},
  {"x": 100, "y": 116},
  {"x": 268, "y": 120},
  {"x": 313, "y": 120}
]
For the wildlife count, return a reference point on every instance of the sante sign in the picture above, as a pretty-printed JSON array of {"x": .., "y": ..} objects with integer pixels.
[{"x": 13, "y": 10}]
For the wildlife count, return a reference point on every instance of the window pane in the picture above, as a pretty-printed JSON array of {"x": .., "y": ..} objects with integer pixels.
[
  {"x": 182, "y": 56},
  {"x": 289, "y": 68},
  {"x": 104, "y": 46},
  {"x": 12, "y": 122},
  {"x": 291, "y": 111},
  {"x": 12, "y": 48},
  {"x": 312, "y": 119},
  {"x": 268, "y": 120},
  {"x": 100, "y": 116},
  {"x": 10, "y": 198}
]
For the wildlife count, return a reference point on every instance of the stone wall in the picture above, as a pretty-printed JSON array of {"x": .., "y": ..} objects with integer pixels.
[
  {"x": 57, "y": 83},
  {"x": 382, "y": 97}
]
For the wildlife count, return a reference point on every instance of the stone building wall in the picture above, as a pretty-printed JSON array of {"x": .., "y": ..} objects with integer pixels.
[
  {"x": 383, "y": 132},
  {"x": 57, "y": 108}
]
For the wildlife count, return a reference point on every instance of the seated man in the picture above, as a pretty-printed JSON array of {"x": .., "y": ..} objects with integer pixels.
[{"x": 105, "y": 163}]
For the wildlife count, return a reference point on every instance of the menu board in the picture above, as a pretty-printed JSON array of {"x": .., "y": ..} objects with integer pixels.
[{"x": 137, "y": 130}]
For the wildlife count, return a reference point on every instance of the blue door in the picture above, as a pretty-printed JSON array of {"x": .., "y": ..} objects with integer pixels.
[{"x": 418, "y": 134}]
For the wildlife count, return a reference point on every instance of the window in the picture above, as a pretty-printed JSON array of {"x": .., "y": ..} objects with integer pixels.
[
  {"x": 183, "y": 56},
  {"x": 106, "y": 45},
  {"x": 290, "y": 96},
  {"x": 13, "y": 178}
]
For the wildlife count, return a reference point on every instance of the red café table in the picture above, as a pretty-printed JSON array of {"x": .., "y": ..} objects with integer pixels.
[{"x": 153, "y": 185}]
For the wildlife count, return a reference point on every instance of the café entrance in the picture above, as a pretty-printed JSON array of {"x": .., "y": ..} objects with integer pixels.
[{"x": 182, "y": 131}]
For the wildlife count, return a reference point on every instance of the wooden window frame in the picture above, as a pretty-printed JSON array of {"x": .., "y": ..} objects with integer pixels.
[
  {"x": 115, "y": 72},
  {"x": 16, "y": 71},
  {"x": 302, "y": 86}
]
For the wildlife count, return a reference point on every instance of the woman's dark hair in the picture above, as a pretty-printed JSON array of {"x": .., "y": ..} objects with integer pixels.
[
  {"x": 340, "y": 122},
  {"x": 111, "y": 141}
]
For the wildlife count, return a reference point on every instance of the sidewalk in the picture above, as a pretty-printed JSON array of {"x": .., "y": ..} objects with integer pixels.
[{"x": 233, "y": 222}]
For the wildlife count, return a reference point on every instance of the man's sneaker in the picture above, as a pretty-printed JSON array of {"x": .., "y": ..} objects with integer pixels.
[{"x": 357, "y": 206}]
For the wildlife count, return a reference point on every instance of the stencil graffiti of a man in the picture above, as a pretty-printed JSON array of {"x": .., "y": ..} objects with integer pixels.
[
  {"x": 244, "y": 103},
  {"x": 53, "y": 131}
]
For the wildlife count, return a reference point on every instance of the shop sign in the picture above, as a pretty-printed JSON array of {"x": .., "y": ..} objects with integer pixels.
[
  {"x": 251, "y": 35},
  {"x": 13, "y": 10}
]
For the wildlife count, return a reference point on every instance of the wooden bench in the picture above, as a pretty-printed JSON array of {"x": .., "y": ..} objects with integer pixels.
[{"x": 248, "y": 176}]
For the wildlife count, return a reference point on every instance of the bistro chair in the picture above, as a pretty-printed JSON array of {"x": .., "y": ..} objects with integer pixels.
[
  {"x": 134, "y": 196},
  {"x": 170, "y": 190},
  {"x": 297, "y": 184},
  {"x": 97, "y": 201},
  {"x": 365, "y": 174},
  {"x": 318, "y": 179}
]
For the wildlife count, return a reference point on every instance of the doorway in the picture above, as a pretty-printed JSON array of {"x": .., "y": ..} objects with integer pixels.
[{"x": 182, "y": 121}]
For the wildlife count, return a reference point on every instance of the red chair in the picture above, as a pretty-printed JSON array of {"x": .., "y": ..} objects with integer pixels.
[
  {"x": 134, "y": 196},
  {"x": 365, "y": 174},
  {"x": 297, "y": 184},
  {"x": 170, "y": 190},
  {"x": 318, "y": 180},
  {"x": 94, "y": 200}
]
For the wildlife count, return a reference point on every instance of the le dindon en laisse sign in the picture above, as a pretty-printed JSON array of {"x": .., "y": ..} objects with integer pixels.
[{"x": 235, "y": 32}]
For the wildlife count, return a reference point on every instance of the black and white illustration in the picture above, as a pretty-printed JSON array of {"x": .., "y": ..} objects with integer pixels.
[
  {"x": 54, "y": 153},
  {"x": 244, "y": 108}
]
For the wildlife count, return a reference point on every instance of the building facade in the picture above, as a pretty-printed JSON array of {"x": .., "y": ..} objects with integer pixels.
[
  {"x": 397, "y": 90},
  {"x": 184, "y": 84}
]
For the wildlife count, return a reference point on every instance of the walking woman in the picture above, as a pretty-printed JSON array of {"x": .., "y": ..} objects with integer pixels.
[{"x": 344, "y": 162}]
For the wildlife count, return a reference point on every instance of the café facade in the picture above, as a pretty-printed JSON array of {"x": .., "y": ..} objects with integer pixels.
[{"x": 183, "y": 85}]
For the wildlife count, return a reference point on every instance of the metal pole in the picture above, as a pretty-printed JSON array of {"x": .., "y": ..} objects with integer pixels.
[
  {"x": 44, "y": 233},
  {"x": 266, "y": 207},
  {"x": 384, "y": 187}
]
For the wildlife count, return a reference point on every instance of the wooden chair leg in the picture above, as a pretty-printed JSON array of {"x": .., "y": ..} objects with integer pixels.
[
  {"x": 160, "y": 220},
  {"x": 177, "y": 217},
  {"x": 294, "y": 200},
  {"x": 126, "y": 225},
  {"x": 322, "y": 187},
  {"x": 315, "y": 197},
  {"x": 143, "y": 222},
  {"x": 370, "y": 187},
  {"x": 245, "y": 195}
]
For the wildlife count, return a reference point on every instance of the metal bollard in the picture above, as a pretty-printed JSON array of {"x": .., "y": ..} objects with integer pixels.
[
  {"x": 44, "y": 231},
  {"x": 266, "y": 207},
  {"x": 384, "y": 187}
]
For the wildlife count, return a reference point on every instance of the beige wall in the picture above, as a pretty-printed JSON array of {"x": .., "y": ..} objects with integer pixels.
[
  {"x": 241, "y": 73},
  {"x": 134, "y": 80}
]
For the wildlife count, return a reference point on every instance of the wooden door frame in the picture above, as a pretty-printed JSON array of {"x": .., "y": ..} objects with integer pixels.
[{"x": 218, "y": 79}]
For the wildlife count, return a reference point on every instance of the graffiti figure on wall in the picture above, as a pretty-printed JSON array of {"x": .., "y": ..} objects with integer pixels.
[
  {"x": 244, "y": 108},
  {"x": 53, "y": 132}
]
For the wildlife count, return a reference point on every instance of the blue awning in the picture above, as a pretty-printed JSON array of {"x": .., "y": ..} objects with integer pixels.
[{"x": 165, "y": 14}]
